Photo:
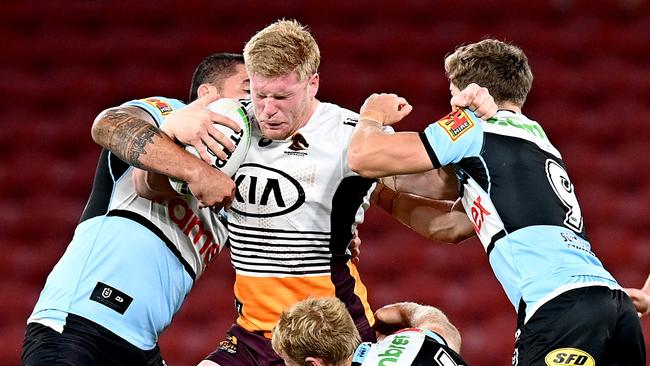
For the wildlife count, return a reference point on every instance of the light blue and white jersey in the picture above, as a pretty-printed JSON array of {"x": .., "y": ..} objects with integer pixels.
[
  {"x": 520, "y": 199},
  {"x": 131, "y": 262}
]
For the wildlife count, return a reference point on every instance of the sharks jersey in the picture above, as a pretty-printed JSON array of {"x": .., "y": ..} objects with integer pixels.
[
  {"x": 517, "y": 193},
  {"x": 295, "y": 209},
  {"x": 131, "y": 262},
  {"x": 408, "y": 347}
]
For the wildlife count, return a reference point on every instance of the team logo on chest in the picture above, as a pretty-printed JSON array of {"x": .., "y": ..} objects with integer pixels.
[
  {"x": 298, "y": 142},
  {"x": 192, "y": 226},
  {"x": 265, "y": 192},
  {"x": 456, "y": 124},
  {"x": 479, "y": 213}
]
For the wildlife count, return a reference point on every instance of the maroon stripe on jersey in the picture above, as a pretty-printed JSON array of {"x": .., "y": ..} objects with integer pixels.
[{"x": 344, "y": 290}]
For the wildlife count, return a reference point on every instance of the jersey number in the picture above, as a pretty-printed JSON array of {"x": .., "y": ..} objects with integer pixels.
[
  {"x": 443, "y": 358},
  {"x": 563, "y": 188}
]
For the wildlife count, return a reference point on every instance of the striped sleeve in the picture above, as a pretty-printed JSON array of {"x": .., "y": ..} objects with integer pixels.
[{"x": 157, "y": 107}]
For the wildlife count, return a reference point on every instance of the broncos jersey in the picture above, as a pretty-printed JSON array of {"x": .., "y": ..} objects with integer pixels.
[
  {"x": 517, "y": 193},
  {"x": 295, "y": 209},
  {"x": 408, "y": 347},
  {"x": 131, "y": 262}
]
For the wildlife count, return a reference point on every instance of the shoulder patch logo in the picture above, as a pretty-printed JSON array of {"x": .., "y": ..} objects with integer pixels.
[
  {"x": 163, "y": 107},
  {"x": 456, "y": 124},
  {"x": 569, "y": 356}
]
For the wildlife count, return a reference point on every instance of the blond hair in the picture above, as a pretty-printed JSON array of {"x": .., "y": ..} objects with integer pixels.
[
  {"x": 500, "y": 67},
  {"x": 282, "y": 48},
  {"x": 316, "y": 327}
]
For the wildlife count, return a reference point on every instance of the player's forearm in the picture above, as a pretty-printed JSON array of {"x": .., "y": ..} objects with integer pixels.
[
  {"x": 128, "y": 134},
  {"x": 432, "y": 318},
  {"x": 374, "y": 153},
  {"x": 437, "y": 184},
  {"x": 413, "y": 315},
  {"x": 364, "y": 155},
  {"x": 433, "y": 219}
]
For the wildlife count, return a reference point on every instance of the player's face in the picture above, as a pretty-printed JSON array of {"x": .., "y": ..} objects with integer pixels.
[
  {"x": 283, "y": 104},
  {"x": 236, "y": 85}
]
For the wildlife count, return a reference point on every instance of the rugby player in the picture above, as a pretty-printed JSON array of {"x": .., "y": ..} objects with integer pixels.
[
  {"x": 297, "y": 203},
  {"x": 522, "y": 205},
  {"x": 320, "y": 332},
  {"x": 132, "y": 261}
]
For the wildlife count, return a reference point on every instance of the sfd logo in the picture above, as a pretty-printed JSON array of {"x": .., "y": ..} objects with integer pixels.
[{"x": 569, "y": 356}]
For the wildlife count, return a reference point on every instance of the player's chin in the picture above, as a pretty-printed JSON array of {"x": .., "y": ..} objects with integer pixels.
[{"x": 275, "y": 132}]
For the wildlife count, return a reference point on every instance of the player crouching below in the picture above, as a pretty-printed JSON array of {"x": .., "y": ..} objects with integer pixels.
[{"x": 320, "y": 332}]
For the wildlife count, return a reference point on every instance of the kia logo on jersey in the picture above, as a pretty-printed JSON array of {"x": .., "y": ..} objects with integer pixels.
[{"x": 265, "y": 192}]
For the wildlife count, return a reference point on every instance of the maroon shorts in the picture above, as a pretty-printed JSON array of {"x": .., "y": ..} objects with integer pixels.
[{"x": 243, "y": 348}]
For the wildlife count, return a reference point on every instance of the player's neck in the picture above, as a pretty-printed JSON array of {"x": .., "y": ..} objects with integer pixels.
[
  {"x": 312, "y": 109},
  {"x": 509, "y": 106}
]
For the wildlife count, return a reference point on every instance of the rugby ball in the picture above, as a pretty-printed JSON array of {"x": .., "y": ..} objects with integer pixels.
[{"x": 232, "y": 109}]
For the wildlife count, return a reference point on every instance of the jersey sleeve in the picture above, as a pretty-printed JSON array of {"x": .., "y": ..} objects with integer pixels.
[
  {"x": 157, "y": 107},
  {"x": 456, "y": 136}
]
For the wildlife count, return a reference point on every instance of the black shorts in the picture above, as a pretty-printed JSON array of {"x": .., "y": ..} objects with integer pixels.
[
  {"x": 586, "y": 326},
  {"x": 82, "y": 342}
]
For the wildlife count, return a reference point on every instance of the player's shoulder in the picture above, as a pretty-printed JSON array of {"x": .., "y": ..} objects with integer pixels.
[
  {"x": 513, "y": 124},
  {"x": 159, "y": 104},
  {"x": 330, "y": 111},
  {"x": 334, "y": 118},
  {"x": 157, "y": 107}
]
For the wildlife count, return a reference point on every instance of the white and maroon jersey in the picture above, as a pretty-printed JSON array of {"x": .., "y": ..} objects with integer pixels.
[
  {"x": 131, "y": 262},
  {"x": 296, "y": 206},
  {"x": 518, "y": 194}
]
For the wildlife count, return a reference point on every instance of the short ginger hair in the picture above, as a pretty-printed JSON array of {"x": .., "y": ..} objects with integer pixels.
[
  {"x": 316, "y": 327},
  {"x": 282, "y": 48}
]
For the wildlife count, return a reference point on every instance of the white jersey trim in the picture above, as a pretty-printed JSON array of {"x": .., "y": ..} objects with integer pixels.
[
  {"x": 50, "y": 323},
  {"x": 523, "y": 134}
]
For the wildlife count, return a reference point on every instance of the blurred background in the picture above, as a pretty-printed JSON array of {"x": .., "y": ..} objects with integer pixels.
[{"x": 62, "y": 62}]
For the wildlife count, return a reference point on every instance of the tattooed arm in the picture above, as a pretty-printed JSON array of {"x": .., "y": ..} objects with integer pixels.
[{"x": 129, "y": 132}]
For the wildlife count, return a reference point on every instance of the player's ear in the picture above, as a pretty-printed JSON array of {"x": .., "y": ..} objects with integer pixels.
[
  {"x": 313, "y": 84},
  {"x": 314, "y": 361},
  {"x": 204, "y": 89}
]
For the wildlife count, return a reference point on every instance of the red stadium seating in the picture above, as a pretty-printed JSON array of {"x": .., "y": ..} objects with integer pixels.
[{"x": 63, "y": 62}]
